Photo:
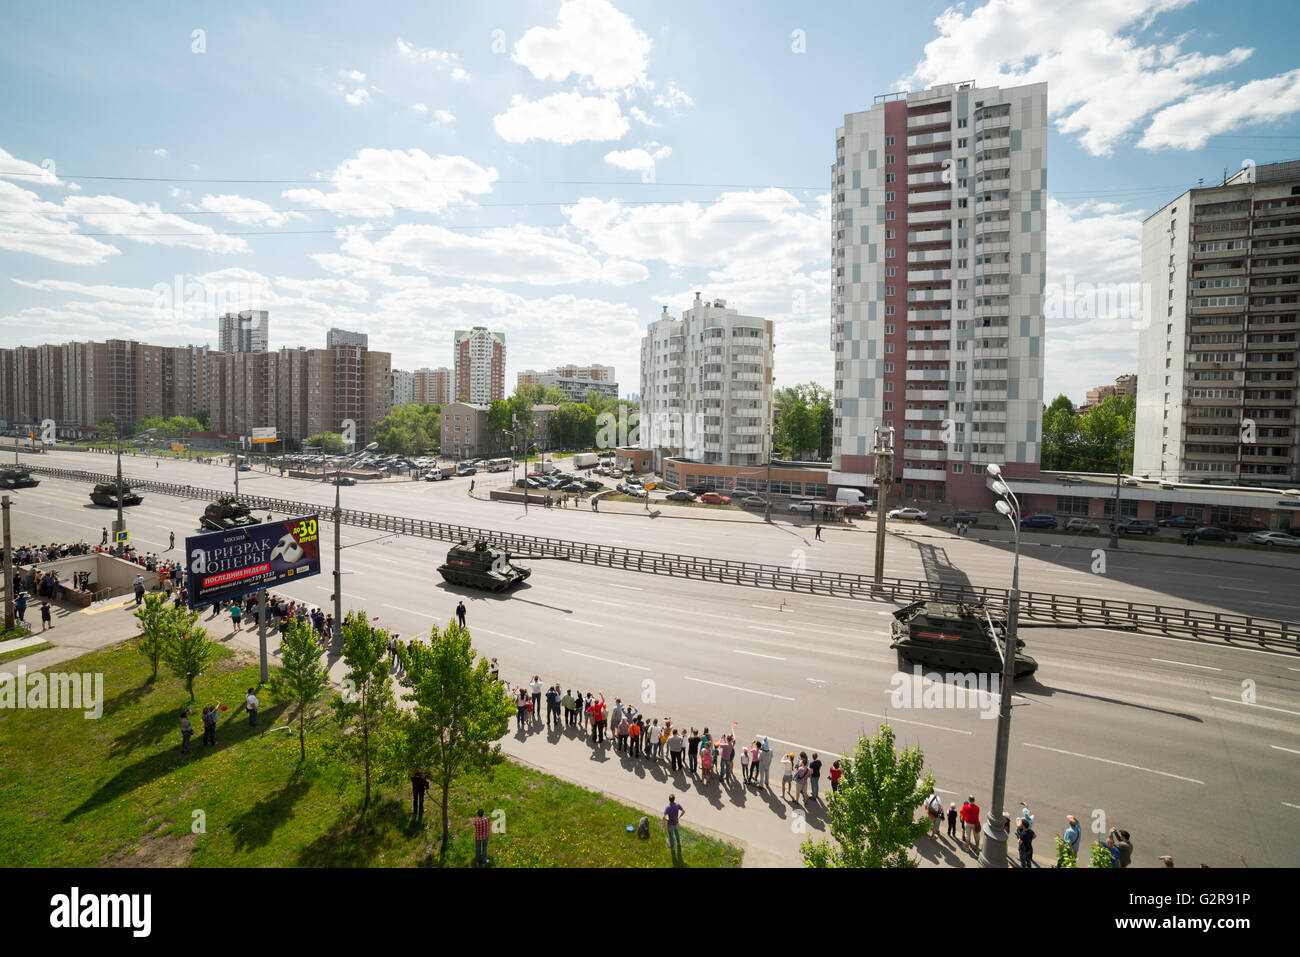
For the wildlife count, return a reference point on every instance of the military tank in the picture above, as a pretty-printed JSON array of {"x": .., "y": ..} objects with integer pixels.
[
  {"x": 105, "y": 493},
  {"x": 226, "y": 514},
  {"x": 954, "y": 636},
  {"x": 478, "y": 565},
  {"x": 17, "y": 478}
]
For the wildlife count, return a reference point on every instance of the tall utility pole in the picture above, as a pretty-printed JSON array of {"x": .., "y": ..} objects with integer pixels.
[
  {"x": 1119, "y": 469},
  {"x": 338, "y": 574},
  {"x": 9, "y": 568},
  {"x": 884, "y": 453}
]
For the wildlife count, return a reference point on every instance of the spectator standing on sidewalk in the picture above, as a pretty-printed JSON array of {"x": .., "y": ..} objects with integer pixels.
[
  {"x": 1025, "y": 838},
  {"x": 553, "y": 707},
  {"x": 460, "y": 613},
  {"x": 815, "y": 766},
  {"x": 970, "y": 818},
  {"x": 1072, "y": 833},
  {"x": 765, "y": 756},
  {"x": 934, "y": 811},
  {"x": 952, "y": 821},
  {"x": 535, "y": 693},
  {"x": 45, "y": 615},
  {"x": 693, "y": 749},
  {"x": 482, "y": 828}
]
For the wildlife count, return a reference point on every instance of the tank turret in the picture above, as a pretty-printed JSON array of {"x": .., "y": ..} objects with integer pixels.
[{"x": 479, "y": 565}]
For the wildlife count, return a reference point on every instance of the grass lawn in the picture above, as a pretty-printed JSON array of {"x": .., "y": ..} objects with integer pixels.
[
  {"x": 23, "y": 652},
  {"x": 117, "y": 791}
]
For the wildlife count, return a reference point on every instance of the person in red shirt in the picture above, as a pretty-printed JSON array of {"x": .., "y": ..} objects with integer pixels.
[
  {"x": 836, "y": 773},
  {"x": 598, "y": 721},
  {"x": 970, "y": 821},
  {"x": 482, "y": 825}
]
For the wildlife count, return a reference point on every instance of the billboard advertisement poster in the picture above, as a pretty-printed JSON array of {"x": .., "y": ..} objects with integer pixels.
[
  {"x": 226, "y": 564},
  {"x": 263, "y": 435}
]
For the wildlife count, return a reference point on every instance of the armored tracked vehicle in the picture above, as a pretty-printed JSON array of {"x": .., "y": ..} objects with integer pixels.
[
  {"x": 481, "y": 566},
  {"x": 105, "y": 493},
  {"x": 222, "y": 515},
  {"x": 17, "y": 478},
  {"x": 954, "y": 636}
]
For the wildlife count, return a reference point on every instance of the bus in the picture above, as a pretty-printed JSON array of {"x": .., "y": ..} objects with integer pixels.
[{"x": 498, "y": 465}]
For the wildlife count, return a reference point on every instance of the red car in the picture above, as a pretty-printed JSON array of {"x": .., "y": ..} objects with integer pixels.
[
  {"x": 855, "y": 508},
  {"x": 713, "y": 498}
]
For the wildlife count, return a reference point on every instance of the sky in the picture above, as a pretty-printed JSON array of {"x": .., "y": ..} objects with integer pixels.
[{"x": 561, "y": 170}]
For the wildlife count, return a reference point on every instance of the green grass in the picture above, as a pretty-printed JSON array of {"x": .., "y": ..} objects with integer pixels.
[
  {"x": 23, "y": 652},
  {"x": 80, "y": 793}
]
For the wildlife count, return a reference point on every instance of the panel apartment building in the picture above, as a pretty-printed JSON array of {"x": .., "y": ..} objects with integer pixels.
[
  {"x": 938, "y": 230},
  {"x": 433, "y": 386},
  {"x": 1217, "y": 359},
  {"x": 243, "y": 331},
  {"x": 575, "y": 381},
  {"x": 480, "y": 363},
  {"x": 706, "y": 386}
]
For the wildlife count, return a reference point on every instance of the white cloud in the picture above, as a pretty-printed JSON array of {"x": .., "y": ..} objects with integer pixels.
[
  {"x": 561, "y": 118},
  {"x": 377, "y": 182},
  {"x": 358, "y": 97},
  {"x": 443, "y": 117},
  {"x": 591, "y": 40},
  {"x": 27, "y": 173},
  {"x": 356, "y": 76},
  {"x": 420, "y": 108},
  {"x": 247, "y": 212},
  {"x": 1189, "y": 124},
  {"x": 160, "y": 152},
  {"x": 673, "y": 99},
  {"x": 524, "y": 254},
  {"x": 641, "y": 116},
  {"x": 145, "y": 223},
  {"x": 638, "y": 160},
  {"x": 324, "y": 289},
  {"x": 1102, "y": 80},
  {"x": 439, "y": 58}
]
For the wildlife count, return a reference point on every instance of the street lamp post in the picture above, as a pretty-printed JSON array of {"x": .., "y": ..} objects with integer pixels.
[
  {"x": 1119, "y": 468},
  {"x": 338, "y": 543},
  {"x": 993, "y": 850}
]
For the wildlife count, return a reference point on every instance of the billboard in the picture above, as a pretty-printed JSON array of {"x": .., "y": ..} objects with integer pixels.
[
  {"x": 226, "y": 564},
  {"x": 263, "y": 435}
]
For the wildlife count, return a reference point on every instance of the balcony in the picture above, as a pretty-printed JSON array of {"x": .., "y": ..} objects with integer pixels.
[
  {"x": 993, "y": 289},
  {"x": 927, "y": 355},
  {"x": 928, "y": 158},
  {"x": 930, "y": 315},
  {"x": 929, "y": 119},
  {"x": 1257, "y": 307},
  {"x": 992, "y": 141},
  {"x": 992, "y": 205},
  {"x": 925, "y": 475},
  {"x": 984, "y": 416},
  {"x": 929, "y": 197},
  {"x": 929, "y": 256},
  {"x": 929, "y": 216},
  {"x": 922, "y": 236},
  {"x": 985, "y": 247},
  {"x": 922, "y": 435},
  {"x": 1260, "y": 270},
  {"x": 928, "y": 395},
  {"x": 1002, "y": 310},
  {"x": 920, "y": 179},
  {"x": 929, "y": 275},
  {"x": 928, "y": 295},
  {"x": 932, "y": 455}
]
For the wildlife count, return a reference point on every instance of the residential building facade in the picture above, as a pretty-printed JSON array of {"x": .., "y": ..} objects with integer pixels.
[
  {"x": 938, "y": 242},
  {"x": 403, "y": 388},
  {"x": 480, "y": 364},
  {"x": 433, "y": 386},
  {"x": 465, "y": 431},
  {"x": 1124, "y": 385},
  {"x": 575, "y": 381},
  {"x": 342, "y": 337},
  {"x": 1218, "y": 355},
  {"x": 243, "y": 331}
]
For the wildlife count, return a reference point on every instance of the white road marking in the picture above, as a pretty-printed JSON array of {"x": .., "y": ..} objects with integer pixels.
[
  {"x": 501, "y": 634},
  {"x": 628, "y": 587},
  {"x": 612, "y": 604},
  {"x": 718, "y": 684},
  {"x": 779, "y": 631},
  {"x": 802, "y": 747},
  {"x": 590, "y": 624},
  {"x": 1277, "y": 747},
  {"x": 583, "y": 654},
  {"x": 1135, "y": 767},
  {"x": 1256, "y": 591},
  {"x": 895, "y": 720},
  {"x": 1289, "y": 804},
  {"x": 755, "y": 654},
  {"x": 418, "y": 614},
  {"x": 1264, "y": 706},
  {"x": 1185, "y": 664},
  {"x": 768, "y": 607}
]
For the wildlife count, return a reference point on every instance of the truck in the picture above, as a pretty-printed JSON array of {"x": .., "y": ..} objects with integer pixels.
[{"x": 585, "y": 460}]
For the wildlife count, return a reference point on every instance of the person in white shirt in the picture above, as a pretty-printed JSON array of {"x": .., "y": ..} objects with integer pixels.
[
  {"x": 535, "y": 692},
  {"x": 250, "y": 701}
]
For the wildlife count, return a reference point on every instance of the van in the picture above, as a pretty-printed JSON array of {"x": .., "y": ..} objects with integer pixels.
[{"x": 851, "y": 496}]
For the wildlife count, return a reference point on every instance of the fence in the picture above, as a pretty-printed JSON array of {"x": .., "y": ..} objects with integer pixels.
[{"x": 1035, "y": 607}]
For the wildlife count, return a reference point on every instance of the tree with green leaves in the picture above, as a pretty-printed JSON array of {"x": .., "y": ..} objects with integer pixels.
[
  {"x": 1089, "y": 441},
  {"x": 188, "y": 650},
  {"x": 156, "y": 621},
  {"x": 460, "y": 713},
  {"x": 331, "y": 443},
  {"x": 598, "y": 401},
  {"x": 873, "y": 816},
  {"x": 802, "y": 413},
  {"x": 410, "y": 429},
  {"x": 1060, "y": 435},
  {"x": 573, "y": 425},
  {"x": 366, "y": 706},
  {"x": 106, "y": 430},
  {"x": 301, "y": 677}
]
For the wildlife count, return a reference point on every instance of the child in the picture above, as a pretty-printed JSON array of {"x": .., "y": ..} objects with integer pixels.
[
  {"x": 836, "y": 771},
  {"x": 952, "y": 821}
]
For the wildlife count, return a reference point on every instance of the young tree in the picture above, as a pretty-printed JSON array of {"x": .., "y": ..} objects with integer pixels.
[
  {"x": 156, "y": 625},
  {"x": 331, "y": 443},
  {"x": 188, "y": 649},
  {"x": 366, "y": 705},
  {"x": 301, "y": 677},
  {"x": 873, "y": 816},
  {"x": 460, "y": 712}
]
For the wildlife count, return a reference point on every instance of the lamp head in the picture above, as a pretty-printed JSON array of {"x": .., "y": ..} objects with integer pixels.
[
  {"x": 1000, "y": 487},
  {"x": 993, "y": 470},
  {"x": 1002, "y": 506}
]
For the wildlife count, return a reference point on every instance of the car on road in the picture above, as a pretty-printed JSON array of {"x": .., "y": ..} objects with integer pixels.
[
  {"x": 1136, "y": 526},
  {"x": 805, "y": 506},
  {"x": 754, "y": 501},
  {"x": 909, "y": 514},
  {"x": 591, "y": 485},
  {"x": 1082, "y": 525},
  {"x": 1179, "y": 521},
  {"x": 855, "y": 508},
  {"x": 244, "y": 467},
  {"x": 713, "y": 498},
  {"x": 1246, "y": 525},
  {"x": 1038, "y": 520},
  {"x": 956, "y": 518},
  {"x": 345, "y": 480},
  {"x": 1275, "y": 538},
  {"x": 437, "y": 475},
  {"x": 1211, "y": 533},
  {"x": 681, "y": 496},
  {"x": 700, "y": 489}
]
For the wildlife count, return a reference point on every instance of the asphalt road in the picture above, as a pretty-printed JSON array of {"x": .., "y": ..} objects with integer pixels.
[{"x": 1149, "y": 734}]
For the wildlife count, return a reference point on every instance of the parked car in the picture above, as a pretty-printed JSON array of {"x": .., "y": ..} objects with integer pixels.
[
  {"x": 805, "y": 506},
  {"x": 681, "y": 496},
  {"x": 909, "y": 513},
  {"x": 700, "y": 489},
  {"x": 1211, "y": 533},
  {"x": 713, "y": 498},
  {"x": 1275, "y": 538},
  {"x": 522, "y": 483},
  {"x": 956, "y": 518},
  {"x": 345, "y": 480},
  {"x": 1038, "y": 520},
  {"x": 1137, "y": 526},
  {"x": 591, "y": 485},
  {"x": 1246, "y": 525},
  {"x": 1179, "y": 521},
  {"x": 754, "y": 501},
  {"x": 855, "y": 508},
  {"x": 636, "y": 491},
  {"x": 1081, "y": 525}
]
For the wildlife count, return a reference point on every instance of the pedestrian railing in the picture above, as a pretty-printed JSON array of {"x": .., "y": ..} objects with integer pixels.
[{"x": 1035, "y": 607}]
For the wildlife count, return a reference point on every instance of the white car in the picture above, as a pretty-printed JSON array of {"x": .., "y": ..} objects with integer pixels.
[
  {"x": 636, "y": 491},
  {"x": 1275, "y": 538},
  {"x": 799, "y": 507},
  {"x": 909, "y": 513}
]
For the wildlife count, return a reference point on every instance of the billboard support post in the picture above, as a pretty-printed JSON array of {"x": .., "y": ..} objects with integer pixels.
[
  {"x": 338, "y": 574},
  {"x": 261, "y": 631}
]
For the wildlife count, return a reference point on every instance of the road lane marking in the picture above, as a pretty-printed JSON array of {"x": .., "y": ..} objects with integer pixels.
[
  {"x": 418, "y": 614},
  {"x": 719, "y": 684},
  {"x": 628, "y": 587},
  {"x": 1257, "y": 591},
  {"x": 1186, "y": 664},
  {"x": 894, "y": 720},
  {"x": 583, "y": 654},
  {"x": 590, "y": 624},
  {"x": 802, "y": 747},
  {"x": 1264, "y": 706},
  {"x": 1278, "y": 747},
  {"x": 501, "y": 634},
  {"x": 1289, "y": 804},
  {"x": 1121, "y": 764},
  {"x": 779, "y": 631},
  {"x": 769, "y": 607},
  {"x": 612, "y": 604},
  {"x": 755, "y": 654}
]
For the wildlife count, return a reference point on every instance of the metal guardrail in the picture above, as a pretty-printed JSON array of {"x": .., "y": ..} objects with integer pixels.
[{"x": 1043, "y": 607}]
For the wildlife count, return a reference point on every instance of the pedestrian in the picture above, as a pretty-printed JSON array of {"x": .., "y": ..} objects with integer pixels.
[
  {"x": 1072, "y": 834},
  {"x": 934, "y": 811},
  {"x": 1191, "y": 537},
  {"x": 815, "y": 766},
  {"x": 765, "y": 758},
  {"x": 1025, "y": 838},
  {"x": 672, "y": 815},
  {"x": 621, "y": 734},
  {"x": 235, "y": 612},
  {"x": 535, "y": 693},
  {"x": 819, "y": 532},
  {"x": 460, "y": 613},
  {"x": 801, "y": 776},
  {"x": 104, "y": 541},
  {"x": 970, "y": 818},
  {"x": 1123, "y": 846},
  {"x": 250, "y": 702},
  {"x": 139, "y": 589},
  {"x": 744, "y": 764},
  {"x": 210, "y": 723},
  {"x": 706, "y": 759},
  {"x": 171, "y": 541},
  {"x": 521, "y": 709},
  {"x": 419, "y": 785},
  {"x": 726, "y": 754},
  {"x": 45, "y": 615},
  {"x": 553, "y": 707},
  {"x": 787, "y": 775},
  {"x": 496, "y": 670},
  {"x": 570, "y": 712},
  {"x": 20, "y": 605},
  {"x": 187, "y": 732},
  {"x": 693, "y": 749},
  {"x": 598, "y": 721},
  {"x": 482, "y": 828},
  {"x": 952, "y": 821},
  {"x": 676, "y": 745}
]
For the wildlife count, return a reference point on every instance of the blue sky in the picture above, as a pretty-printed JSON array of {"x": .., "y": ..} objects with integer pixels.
[{"x": 561, "y": 170}]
